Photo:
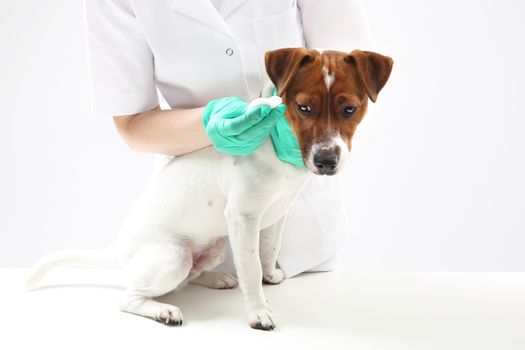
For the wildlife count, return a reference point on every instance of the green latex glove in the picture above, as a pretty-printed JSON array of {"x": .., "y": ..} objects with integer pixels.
[
  {"x": 235, "y": 128},
  {"x": 285, "y": 143}
]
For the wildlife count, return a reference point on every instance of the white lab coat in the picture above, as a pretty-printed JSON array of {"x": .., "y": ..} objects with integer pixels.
[{"x": 193, "y": 53}]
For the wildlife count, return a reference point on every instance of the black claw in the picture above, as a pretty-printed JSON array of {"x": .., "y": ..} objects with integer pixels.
[
  {"x": 258, "y": 325},
  {"x": 171, "y": 323}
]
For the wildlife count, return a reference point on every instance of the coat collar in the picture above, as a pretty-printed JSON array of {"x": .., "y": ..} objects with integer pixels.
[{"x": 205, "y": 12}]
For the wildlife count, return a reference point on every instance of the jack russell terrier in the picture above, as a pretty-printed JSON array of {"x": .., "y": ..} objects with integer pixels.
[{"x": 176, "y": 232}]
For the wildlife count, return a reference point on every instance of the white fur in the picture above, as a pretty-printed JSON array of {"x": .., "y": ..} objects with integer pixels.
[
  {"x": 176, "y": 230},
  {"x": 343, "y": 156},
  {"x": 329, "y": 78}
]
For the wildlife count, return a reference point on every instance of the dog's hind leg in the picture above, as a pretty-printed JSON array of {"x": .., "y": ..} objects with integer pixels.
[
  {"x": 216, "y": 280},
  {"x": 156, "y": 269},
  {"x": 207, "y": 260}
]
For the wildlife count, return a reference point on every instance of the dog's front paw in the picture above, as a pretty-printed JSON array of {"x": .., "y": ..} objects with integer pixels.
[
  {"x": 262, "y": 319},
  {"x": 169, "y": 315},
  {"x": 275, "y": 276}
]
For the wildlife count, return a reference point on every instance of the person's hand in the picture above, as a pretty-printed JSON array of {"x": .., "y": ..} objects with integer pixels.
[{"x": 238, "y": 128}]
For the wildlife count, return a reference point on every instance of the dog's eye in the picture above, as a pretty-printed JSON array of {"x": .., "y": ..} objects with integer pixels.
[
  {"x": 349, "y": 110},
  {"x": 306, "y": 109}
]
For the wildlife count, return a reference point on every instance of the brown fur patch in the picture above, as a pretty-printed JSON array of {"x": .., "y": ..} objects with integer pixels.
[{"x": 299, "y": 77}]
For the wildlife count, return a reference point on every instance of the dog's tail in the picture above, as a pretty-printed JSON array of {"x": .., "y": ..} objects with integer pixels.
[{"x": 106, "y": 257}]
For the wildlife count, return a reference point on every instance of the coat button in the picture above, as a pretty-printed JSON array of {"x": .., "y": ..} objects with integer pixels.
[{"x": 229, "y": 51}]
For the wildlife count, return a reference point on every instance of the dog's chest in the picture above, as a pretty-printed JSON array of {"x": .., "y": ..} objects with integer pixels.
[
  {"x": 265, "y": 185},
  {"x": 289, "y": 189}
]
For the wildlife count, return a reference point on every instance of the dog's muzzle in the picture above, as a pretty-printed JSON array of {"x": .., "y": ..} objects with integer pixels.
[{"x": 326, "y": 160}]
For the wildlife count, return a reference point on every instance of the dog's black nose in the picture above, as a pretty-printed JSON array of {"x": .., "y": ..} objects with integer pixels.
[{"x": 326, "y": 162}]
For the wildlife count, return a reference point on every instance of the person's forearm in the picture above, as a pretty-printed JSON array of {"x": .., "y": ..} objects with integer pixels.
[{"x": 171, "y": 132}]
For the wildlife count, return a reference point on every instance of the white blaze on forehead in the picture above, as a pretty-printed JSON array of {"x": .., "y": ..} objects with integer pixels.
[{"x": 329, "y": 78}]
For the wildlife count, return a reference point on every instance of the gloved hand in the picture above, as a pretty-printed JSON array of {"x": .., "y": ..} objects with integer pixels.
[
  {"x": 285, "y": 143},
  {"x": 238, "y": 128}
]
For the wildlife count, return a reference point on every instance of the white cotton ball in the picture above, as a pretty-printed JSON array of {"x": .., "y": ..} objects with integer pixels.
[{"x": 273, "y": 102}]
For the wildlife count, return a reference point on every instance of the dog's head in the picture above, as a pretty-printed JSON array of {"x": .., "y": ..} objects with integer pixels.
[{"x": 326, "y": 96}]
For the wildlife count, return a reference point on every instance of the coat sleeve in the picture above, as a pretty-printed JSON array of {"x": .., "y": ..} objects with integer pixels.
[
  {"x": 120, "y": 61},
  {"x": 335, "y": 24}
]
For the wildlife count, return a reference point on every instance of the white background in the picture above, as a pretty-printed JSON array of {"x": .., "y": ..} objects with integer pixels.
[{"x": 436, "y": 177}]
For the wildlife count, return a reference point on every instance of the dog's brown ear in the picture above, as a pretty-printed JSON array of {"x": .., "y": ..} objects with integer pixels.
[
  {"x": 282, "y": 64},
  {"x": 373, "y": 69}
]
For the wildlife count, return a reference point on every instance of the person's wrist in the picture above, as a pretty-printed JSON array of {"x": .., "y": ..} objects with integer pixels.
[{"x": 208, "y": 110}]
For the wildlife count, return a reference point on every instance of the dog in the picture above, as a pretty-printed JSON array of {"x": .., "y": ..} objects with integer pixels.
[{"x": 176, "y": 231}]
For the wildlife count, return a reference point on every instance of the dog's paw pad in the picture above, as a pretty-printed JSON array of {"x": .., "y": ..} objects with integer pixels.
[
  {"x": 274, "y": 277},
  {"x": 169, "y": 315},
  {"x": 262, "y": 319}
]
